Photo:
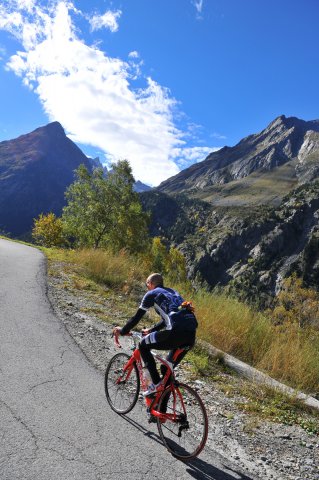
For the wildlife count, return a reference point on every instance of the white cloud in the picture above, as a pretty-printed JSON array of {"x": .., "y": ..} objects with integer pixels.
[
  {"x": 10, "y": 20},
  {"x": 134, "y": 54},
  {"x": 187, "y": 156},
  {"x": 198, "y": 4},
  {"x": 90, "y": 93},
  {"x": 108, "y": 20},
  {"x": 26, "y": 4}
]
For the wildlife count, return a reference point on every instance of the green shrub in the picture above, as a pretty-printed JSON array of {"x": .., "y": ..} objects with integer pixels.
[{"x": 48, "y": 230}]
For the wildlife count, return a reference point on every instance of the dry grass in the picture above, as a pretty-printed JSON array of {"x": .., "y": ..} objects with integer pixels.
[
  {"x": 113, "y": 270},
  {"x": 293, "y": 356},
  {"x": 232, "y": 326},
  {"x": 287, "y": 352}
]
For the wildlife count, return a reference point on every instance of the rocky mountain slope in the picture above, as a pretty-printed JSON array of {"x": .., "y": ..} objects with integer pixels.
[
  {"x": 245, "y": 217},
  {"x": 259, "y": 219},
  {"x": 35, "y": 170},
  {"x": 248, "y": 249},
  {"x": 261, "y": 168}
]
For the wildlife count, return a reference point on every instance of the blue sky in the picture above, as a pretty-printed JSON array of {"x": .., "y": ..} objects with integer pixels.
[{"x": 159, "y": 82}]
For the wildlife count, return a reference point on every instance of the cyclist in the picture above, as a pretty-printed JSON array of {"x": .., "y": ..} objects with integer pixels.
[{"x": 177, "y": 318}]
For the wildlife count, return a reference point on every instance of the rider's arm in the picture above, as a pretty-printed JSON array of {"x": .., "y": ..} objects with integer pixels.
[
  {"x": 146, "y": 303},
  {"x": 132, "y": 321}
]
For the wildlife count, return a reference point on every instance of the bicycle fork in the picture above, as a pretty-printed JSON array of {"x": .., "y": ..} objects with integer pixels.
[
  {"x": 182, "y": 417},
  {"x": 125, "y": 374}
]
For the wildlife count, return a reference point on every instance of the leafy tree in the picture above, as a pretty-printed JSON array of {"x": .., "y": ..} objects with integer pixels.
[
  {"x": 168, "y": 262},
  {"x": 176, "y": 265},
  {"x": 296, "y": 304},
  {"x": 87, "y": 214},
  {"x": 105, "y": 211},
  {"x": 130, "y": 222},
  {"x": 158, "y": 255},
  {"x": 48, "y": 230}
]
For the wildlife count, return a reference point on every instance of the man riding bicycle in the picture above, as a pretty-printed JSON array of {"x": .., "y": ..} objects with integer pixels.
[{"x": 177, "y": 318}]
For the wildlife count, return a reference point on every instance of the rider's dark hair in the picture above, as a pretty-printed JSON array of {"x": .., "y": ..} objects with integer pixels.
[{"x": 156, "y": 279}]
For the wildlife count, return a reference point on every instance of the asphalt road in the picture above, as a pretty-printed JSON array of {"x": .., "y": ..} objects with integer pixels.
[{"x": 55, "y": 423}]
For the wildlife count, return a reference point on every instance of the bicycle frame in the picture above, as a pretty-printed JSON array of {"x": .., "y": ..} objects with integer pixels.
[
  {"x": 177, "y": 405},
  {"x": 168, "y": 380},
  {"x": 172, "y": 385}
]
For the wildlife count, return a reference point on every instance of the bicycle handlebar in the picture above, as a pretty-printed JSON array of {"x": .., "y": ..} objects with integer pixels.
[{"x": 137, "y": 336}]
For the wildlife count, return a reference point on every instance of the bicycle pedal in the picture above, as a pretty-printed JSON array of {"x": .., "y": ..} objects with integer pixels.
[{"x": 152, "y": 419}]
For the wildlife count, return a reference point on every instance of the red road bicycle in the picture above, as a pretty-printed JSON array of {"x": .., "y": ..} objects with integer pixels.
[{"x": 177, "y": 409}]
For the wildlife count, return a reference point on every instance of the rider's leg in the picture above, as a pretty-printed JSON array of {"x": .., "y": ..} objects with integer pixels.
[
  {"x": 148, "y": 359},
  {"x": 175, "y": 361},
  {"x": 163, "y": 340}
]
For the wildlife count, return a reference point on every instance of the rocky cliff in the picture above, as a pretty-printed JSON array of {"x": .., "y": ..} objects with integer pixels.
[
  {"x": 247, "y": 250},
  {"x": 259, "y": 219}
]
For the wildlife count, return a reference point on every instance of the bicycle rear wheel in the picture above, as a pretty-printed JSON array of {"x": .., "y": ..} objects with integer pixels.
[
  {"x": 122, "y": 385},
  {"x": 186, "y": 434}
]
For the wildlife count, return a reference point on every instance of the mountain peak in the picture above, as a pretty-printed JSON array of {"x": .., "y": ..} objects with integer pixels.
[
  {"x": 286, "y": 122},
  {"x": 280, "y": 143},
  {"x": 53, "y": 128},
  {"x": 290, "y": 122},
  {"x": 278, "y": 120},
  {"x": 35, "y": 170}
]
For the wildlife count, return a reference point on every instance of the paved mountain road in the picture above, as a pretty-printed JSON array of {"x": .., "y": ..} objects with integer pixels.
[{"x": 55, "y": 423}]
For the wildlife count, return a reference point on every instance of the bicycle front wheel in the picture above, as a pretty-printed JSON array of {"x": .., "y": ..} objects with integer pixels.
[
  {"x": 184, "y": 433},
  {"x": 121, "y": 383}
]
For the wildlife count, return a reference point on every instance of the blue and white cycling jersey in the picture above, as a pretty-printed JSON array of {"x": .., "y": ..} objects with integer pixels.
[{"x": 166, "y": 302}]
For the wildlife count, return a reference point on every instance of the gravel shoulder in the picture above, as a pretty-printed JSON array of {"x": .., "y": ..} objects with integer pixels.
[{"x": 264, "y": 449}]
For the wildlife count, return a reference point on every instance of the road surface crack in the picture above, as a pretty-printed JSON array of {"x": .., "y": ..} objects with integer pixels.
[
  {"x": 24, "y": 425},
  {"x": 45, "y": 382}
]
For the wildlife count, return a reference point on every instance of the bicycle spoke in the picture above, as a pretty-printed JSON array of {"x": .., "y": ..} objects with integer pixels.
[
  {"x": 121, "y": 388},
  {"x": 185, "y": 436}
]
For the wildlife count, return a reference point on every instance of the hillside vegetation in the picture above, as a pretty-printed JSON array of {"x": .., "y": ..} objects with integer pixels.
[
  {"x": 245, "y": 218},
  {"x": 282, "y": 349},
  {"x": 249, "y": 249},
  {"x": 106, "y": 213},
  {"x": 258, "y": 188},
  {"x": 83, "y": 305}
]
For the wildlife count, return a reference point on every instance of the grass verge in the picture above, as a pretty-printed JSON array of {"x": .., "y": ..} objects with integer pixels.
[
  {"x": 226, "y": 323},
  {"x": 257, "y": 401},
  {"x": 286, "y": 352}
]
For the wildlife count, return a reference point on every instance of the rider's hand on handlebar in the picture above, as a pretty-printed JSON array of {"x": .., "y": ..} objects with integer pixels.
[
  {"x": 117, "y": 331},
  {"x": 116, "y": 334}
]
